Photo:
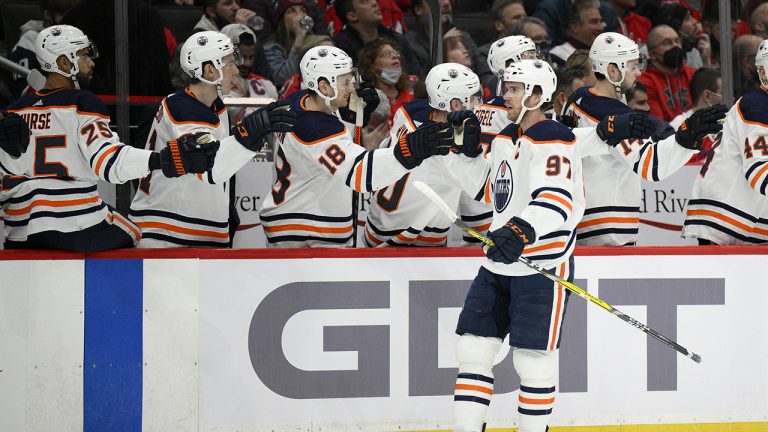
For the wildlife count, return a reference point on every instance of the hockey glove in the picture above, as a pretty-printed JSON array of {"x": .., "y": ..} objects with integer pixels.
[
  {"x": 510, "y": 240},
  {"x": 14, "y": 134},
  {"x": 700, "y": 124},
  {"x": 614, "y": 129},
  {"x": 466, "y": 132},
  {"x": 367, "y": 93},
  {"x": 192, "y": 153},
  {"x": 255, "y": 127},
  {"x": 434, "y": 139}
]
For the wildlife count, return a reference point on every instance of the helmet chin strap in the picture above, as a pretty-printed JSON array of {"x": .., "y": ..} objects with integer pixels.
[
  {"x": 217, "y": 82},
  {"x": 760, "y": 77},
  {"x": 617, "y": 86},
  {"x": 327, "y": 99}
]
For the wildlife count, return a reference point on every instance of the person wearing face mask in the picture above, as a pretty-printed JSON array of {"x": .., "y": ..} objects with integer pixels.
[
  {"x": 706, "y": 90},
  {"x": 694, "y": 41},
  {"x": 380, "y": 60},
  {"x": 667, "y": 78}
]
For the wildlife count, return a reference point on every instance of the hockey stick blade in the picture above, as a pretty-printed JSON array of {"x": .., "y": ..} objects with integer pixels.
[{"x": 435, "y": 198}]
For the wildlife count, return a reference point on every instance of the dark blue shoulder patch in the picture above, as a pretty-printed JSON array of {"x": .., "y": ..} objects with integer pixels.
[
  {"x": 88, "y": 102},
  {"x": 597, "y": 106},
  {"x": 46, "y": 98},
  {"x": 549, "y": 130},
  {"x": 495, "y": 101},
  {"x": 295, "y": 100},
  {"x": 419, "y": 110},
  {"x": 510, "y": 130},
  {"x": 183, "y": 107},
  {"x": 315, "y": 125},
  {"x": 752, "y": 106}
]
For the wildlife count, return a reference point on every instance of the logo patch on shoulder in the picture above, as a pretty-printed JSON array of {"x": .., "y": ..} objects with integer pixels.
[{"x": 502, "y": 187}]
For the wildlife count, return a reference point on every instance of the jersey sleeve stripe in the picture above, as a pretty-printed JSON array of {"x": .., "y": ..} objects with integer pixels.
[
  {"x": 358, "y": 159},
  {"x": 554, "y": 197},
  {"x": 369, "y": 172},
  {"x": 551, "y": 207},
  {"x": 647, "y": 162},
  {"x": 607, "y": 220},
  {"x": 128, "y": 226},
  {"x": 51, "y": 203},
  {"x": 548, "y": 246},
  {"x": 182, "y": 230},
  {"x": 97, "y": 169},
  {"x": 728, "y": 220},
  {"x": 93, "y": 156},
  {"x": 112, "y": 162},
  {"x": 358, "y": 176},
  {"x": 561, "y": 191},
  {"x": 759, "y": 174}
]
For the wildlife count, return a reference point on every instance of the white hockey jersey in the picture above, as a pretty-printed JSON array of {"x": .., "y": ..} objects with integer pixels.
[
  {"x": 316, "y": 168},
  {"x": 537, "y": 178},
  {"x": 612, "y": 181},
  {"x": 728, "y": 205},
  {"x": 191, "y": 210},
  {"x": 52, "y": 186}
]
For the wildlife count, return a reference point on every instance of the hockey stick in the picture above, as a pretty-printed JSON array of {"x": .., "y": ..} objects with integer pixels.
[
  {"x": 358, "y": 139},
  {"x": 436, "y": 29},
  {"x": 35, "y": 79},
  {"x": 432, "y": 195}
]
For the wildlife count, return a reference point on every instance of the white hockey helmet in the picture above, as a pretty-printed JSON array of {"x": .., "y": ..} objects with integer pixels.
[
  {"x": 62, "y": 40},
  {"x": 328, "y": 63},
  {"x": 532, "y": 73},
  {"x": 508, "y": 50},
  {"x": 761, "y": 58},
  {"x": 207, "y": 46},
  {"x": 617, "y": 49},
  {"x": 448, "y": 81}
]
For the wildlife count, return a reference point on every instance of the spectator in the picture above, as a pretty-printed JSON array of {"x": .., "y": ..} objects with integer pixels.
[
  {"x": 419, "y": 38},
  {"x": 247, "y": 84},
  {"x": 362, "y": 23},
  {"x": 218, "y": 13},
  {"x": 579, "y": 61},
  {"x": 668, "y": 78},
  {"x": 380, "y": 62},
  {"x": 568, "y": 81},
  {"x": 23, "y": 53},
  {"x": 295, "y": 82},
  {"x": 535, "y": 30},
  {"x": 583, "y": 23},
  {"x": 637, "y": 98},
  {"x": 631, "y": 24},
  {"x": 706, "y": 91},
  {"x": 710, "y": 23},
  {"x": 554, "y": 14},
  {"x": 695, "y": 42},
  {"x": 505, "y": 14},
  {"x": 744, "y": 70},
  {"x": 391, "y": 17},
  {"x": 759, "y": 21},
  {"x": 282, "y": 50}
]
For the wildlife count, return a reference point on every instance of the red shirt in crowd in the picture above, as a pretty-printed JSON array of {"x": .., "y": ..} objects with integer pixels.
[
  {"x": 635, "y": 27},
  {"x": 668, "y": 95}
]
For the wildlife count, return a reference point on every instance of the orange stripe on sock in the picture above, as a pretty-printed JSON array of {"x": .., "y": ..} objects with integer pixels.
[
  {"x": 526, "y": 400},
  {"x": 481, "y": 389}
]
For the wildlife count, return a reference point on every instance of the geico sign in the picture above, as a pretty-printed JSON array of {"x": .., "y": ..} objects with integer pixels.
[{"x": 661, "y": 297}]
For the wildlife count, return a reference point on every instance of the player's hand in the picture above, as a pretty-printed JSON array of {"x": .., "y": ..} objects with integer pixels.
[
  {"x": 255, "y": 127},
  {"x": 568, "y": 120},
  {"x": 366, "y": 93},
  {"x": 614, "y": 129},
  {"x": 700, "y": 124},
  {"x": 191, "y": 153},
  {"x": 466, "y": 132},
  {"x": 426, "y": 141},
  {"x": 510, "y": 240},
  {"x": 14, "y": 134}
]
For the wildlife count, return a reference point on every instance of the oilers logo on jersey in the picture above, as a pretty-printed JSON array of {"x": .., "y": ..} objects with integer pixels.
[{"x": 502, "y": 187}]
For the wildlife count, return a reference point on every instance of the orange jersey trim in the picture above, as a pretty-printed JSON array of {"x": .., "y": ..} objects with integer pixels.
[
  {"x": 534, "y": 249},
  {"x": 557, "y": 313},
  {"x": 431, "y": 239},
  {"x": 599, "y": 221},
  {"x": 50, "y": 203},
  {"x": 303, "y": 227},
  {"x": 756, "y": 123},
  {"x": 557, "y": 198},
  {"x": 103, "y": 157},
  {"x": 182, "y": 230},
  {"x": 727, "y": 219},
  {"x": 533, "y": 141},
  {"x": 481, "y": 228},
  {"x": 758, "y": 175},
  {"x": 373, "y": 239},
  {"x": 647, "y": 163},
  {"x": 576, "y": 107},
  {"x": 174, "y": 121},
  {"x": 321, "y": 139},
  {"x": 130, "y": 226},
  {"x": 359, "y": 176},
  {"x": 476, "y": 388}
]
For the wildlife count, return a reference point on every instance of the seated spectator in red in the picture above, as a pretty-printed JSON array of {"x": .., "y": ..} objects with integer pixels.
[
  {"x": 283, "y": 49},
  {"x": 218, "y": 13},
  {"x": 380, "y": 62},
  {"x": 631, "y": 24},
  {"x": 744, "y": 70},
  {"x": 667, "y": 77},
  {"x": 23, "y": 53},
  {"x": 363, "y": 23},
  {"x": 583, "y": 22},
  {"x": 696, "y": 45}
]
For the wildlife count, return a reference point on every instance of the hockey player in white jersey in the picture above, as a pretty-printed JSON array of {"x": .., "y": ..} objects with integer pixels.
[
  {"x": 398, "y": 214},
  {"x": 492, "y": 115},
  {"x": 194, "y": 211},
  {"x": 49, "y": 194},
  {"x": 318, "y": 166},
  {"x": 612, "y": 181},
  {"x": 728, "y": 205},
  {"x": 534, "y": 184}
]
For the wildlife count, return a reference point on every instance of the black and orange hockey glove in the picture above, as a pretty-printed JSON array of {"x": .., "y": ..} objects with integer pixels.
[
  {"x": 255, "y": 127},
  {"x": 700, "y": 124},
  {"x": 616, "y": 128},
  {"x": 510, "y": 240},
  {"x": 426, "y": 141},
  {"x": 192, "y": 153}
]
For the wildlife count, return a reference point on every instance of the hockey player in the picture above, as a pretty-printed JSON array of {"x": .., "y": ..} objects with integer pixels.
[
  {"x": 398, "y": 214},
  {"x": 535, "y": 186},
  {"x": 613, "y": 191},
  {"x": 49, "y": 191},
  {"x": 194, "y": 210},
  {"x": 317, "y": 166},
  {"x": 728, "y": 205},
  {"x": 493, "y": 118}
]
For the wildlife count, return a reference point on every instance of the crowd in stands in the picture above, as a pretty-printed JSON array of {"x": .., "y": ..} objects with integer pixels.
[{"x": 389, "y": 42}]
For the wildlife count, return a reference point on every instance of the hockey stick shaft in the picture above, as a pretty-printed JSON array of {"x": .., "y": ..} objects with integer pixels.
[
  {"x": 568, "y": 285},
  {"x": 358, "y": 139}
]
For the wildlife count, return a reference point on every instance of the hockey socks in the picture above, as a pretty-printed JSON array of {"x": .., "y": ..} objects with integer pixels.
[
  {"x": 474, "y": 384},
  {"x": 538, "y": 385}
]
